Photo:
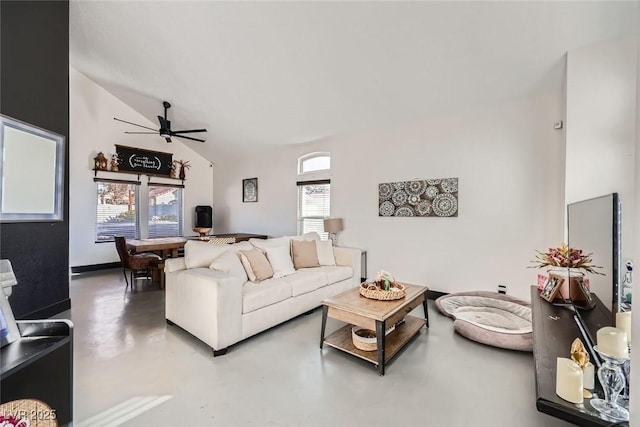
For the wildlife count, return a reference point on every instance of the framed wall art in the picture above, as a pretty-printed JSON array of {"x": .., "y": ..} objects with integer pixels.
[
  {"x": 250, "y": 190},
  {"x": 426, "y": 198}
]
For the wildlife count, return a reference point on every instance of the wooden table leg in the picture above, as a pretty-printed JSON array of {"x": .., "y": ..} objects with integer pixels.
[
  {"x": 161, "y": 271},
  {"x": 325, "y": 309},
  {"x": 380, "y": 338},
  {"x": 426, "y": 311}
]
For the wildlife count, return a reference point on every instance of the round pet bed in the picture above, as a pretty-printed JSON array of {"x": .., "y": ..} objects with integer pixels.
[{"x": 490, "y": 318}]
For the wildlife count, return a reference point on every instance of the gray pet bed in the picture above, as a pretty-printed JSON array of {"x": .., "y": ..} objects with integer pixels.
[{"x": 490, "y": 318}]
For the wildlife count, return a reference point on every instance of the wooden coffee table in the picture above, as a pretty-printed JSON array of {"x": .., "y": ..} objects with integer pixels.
[{"x": 376, "y": 315}]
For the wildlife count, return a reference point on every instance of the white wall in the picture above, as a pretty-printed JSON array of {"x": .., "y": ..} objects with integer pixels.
[
  {"x": 510, "y": 165},
  {"x": 601, "y": 114},
  {"x": 93, "y": 129}
]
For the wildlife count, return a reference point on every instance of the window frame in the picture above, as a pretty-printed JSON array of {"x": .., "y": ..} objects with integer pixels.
[
  {"x": 137, "y": 198},
  {"x": 180, "y": 204},
  {"x": 310, "y": 156}
]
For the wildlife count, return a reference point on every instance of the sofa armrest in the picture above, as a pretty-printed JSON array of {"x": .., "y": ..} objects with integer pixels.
[
  {"x": 207, "y": 304},
  {"x": 174, "y": 264},
  {"x": 349, "y": 257}
]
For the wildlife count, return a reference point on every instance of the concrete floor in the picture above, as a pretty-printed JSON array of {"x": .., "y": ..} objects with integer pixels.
[{"x": 131, "y": 368}]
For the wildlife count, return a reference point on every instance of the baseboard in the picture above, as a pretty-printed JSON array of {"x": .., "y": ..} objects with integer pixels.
[
  {"x": 48, "y": 311},
  {"x": 435, "y": 294},
  {"x": 95, "y": 267}
]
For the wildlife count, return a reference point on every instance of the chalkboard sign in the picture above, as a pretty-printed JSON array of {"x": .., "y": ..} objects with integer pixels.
[{"x": 148, "y": 162}]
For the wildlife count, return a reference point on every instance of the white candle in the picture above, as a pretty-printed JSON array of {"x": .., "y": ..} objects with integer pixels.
[
  {"x": 588, "y": 376},
  {"x": 623, "y": 321},
  {"x": 613, "y": 342},
  {"x": 569, "y": 382}
]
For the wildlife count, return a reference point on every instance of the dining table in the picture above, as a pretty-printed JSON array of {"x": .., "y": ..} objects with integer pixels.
[{"x": 166, "y": 247}]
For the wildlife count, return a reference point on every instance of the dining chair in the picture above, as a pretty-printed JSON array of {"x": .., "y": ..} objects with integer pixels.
[{"x": 136, "y": 263}]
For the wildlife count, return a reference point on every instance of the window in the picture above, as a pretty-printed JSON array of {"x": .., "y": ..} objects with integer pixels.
[
  {"x": 314, "y": 205},
  {"x": 116, "y": 210},
  {"x": 314, "y": 162},
  {"x": 165, "y": 210}
]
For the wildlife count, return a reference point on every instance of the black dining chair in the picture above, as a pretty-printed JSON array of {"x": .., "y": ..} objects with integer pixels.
[{"x": 137, "y": 264}]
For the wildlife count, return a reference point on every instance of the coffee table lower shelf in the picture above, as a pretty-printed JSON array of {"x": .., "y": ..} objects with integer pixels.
[{"x": 341, "y": 339}]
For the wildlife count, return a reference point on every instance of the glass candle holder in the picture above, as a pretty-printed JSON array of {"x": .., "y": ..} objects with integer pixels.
[{"x": 612, "y": 380}]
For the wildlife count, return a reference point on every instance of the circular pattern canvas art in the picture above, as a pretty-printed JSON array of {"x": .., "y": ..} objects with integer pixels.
[{"x": 426, "y": 197}]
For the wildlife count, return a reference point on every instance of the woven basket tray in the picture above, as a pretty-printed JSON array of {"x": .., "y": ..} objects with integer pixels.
[{"x": 373, "y": 291}]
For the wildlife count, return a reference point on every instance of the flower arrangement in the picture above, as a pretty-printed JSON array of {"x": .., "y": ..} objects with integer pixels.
[
  {"x": 384, "y": 279},
  {"x": 564, "y": 256}
]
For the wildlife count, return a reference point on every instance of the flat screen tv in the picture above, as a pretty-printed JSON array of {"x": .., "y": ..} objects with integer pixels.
[{"x": 594, "y": 226}]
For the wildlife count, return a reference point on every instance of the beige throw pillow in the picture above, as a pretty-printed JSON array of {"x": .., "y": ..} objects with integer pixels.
[
  {"x": 256, "y": 265},
  {"x": 305, "y": 253}
]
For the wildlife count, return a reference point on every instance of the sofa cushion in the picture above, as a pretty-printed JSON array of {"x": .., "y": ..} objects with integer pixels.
[
  {"x": 335, "y": 273},
  {"x": 304, "y": 253},
  {"x": 229, "y": 262},
  {"x": 200, "y": 254},
  {"x": 280, "y": 261},
  {"x": 270, "y": 243},
  {"x": 306, "y": 280},
  {"x": 312, "y": 235},
  {"x": 256, "y": 265},
  {"x": 267, "y": 292},
  {"x": 325, "y": 252}
]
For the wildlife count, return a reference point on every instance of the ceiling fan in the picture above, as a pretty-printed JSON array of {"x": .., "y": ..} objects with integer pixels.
[{"x": 165, "y": 127}]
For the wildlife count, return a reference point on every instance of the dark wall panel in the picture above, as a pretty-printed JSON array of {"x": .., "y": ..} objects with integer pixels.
[{"x": 34, "y": 88}]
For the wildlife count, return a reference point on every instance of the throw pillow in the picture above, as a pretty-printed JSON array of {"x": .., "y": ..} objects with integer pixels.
[
  {"x": 305, "y": 254},
  {"x": 325, "y": 252},
  {"x": 256, "y": 265},
  {"x": 280, "y": 261},
  {"x": 229, "y": 262}
]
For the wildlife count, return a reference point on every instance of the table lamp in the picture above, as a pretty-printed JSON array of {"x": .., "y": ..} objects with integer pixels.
[{"x": 333, "y": 226}]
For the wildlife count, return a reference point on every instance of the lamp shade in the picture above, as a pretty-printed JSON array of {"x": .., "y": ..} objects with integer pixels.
[{"x": 333, "y": 225}]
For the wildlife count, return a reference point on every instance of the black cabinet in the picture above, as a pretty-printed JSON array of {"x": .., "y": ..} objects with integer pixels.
[
  {"x": 40, "y": 366},
  {"x": 554, "y": 329}
]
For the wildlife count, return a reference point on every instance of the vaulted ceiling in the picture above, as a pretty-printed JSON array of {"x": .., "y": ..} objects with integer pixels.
[{"x": 263, "y": 74}]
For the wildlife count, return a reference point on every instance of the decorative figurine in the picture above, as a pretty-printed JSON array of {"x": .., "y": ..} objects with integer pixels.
[
  {"x": 114, "y": 162},
  {"x": 184, "y": 164},
  {"x": 100, "y": 162},
  {"x": 174, "y": 166}
]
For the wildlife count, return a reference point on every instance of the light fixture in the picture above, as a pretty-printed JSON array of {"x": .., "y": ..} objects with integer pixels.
[{"x": 333, "y": 226}]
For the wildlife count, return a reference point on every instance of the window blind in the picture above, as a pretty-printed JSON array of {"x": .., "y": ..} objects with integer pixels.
[
  {"x": 314, "y": 205},
  {"x": 165, "y": 210},
  {"x": 116, "y": 213}
]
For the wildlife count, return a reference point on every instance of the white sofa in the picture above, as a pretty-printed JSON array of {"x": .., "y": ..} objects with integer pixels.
[{"x": 221, "y": 307}]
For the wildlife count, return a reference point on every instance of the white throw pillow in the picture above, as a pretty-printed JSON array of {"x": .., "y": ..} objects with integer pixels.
[
  {"x": 200, "y": 254},
  {"x": 280, "y": 260},
  {"x": 270, "y": 243},
  {"x": 325, "y": 252},
  {"x": 229, "y": 263}
]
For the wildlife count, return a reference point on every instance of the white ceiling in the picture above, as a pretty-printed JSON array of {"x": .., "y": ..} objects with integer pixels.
[{"x": 259, "y": 74}]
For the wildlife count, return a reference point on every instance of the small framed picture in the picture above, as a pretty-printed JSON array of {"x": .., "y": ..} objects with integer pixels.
[
  {"x": 586, "y": 296},
  {"x": 250, "y": 190},
  {"x": 8, "y": 328},
  {"x": 551, "y": 288}
]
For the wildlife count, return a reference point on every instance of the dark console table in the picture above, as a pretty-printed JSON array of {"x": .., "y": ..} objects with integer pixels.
[
  {"x": 39, "y": 366},
  {"x": 554, "y": 329}
]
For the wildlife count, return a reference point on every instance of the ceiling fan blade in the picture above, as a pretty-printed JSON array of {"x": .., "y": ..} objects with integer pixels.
[
  {"x": 124, "y": 121},
  {"x": 155, "y": 133},
  {"x": 189, "y": 131},
  {"x": 188, "y": 137}
]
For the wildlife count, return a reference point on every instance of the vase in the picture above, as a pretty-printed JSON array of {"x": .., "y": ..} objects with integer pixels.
[{"x": 182, "y": 174}]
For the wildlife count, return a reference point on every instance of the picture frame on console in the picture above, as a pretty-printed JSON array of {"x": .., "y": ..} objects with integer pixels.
[
  {"x": 250, "y": 190},
  {"x": 551, "y": 288}
]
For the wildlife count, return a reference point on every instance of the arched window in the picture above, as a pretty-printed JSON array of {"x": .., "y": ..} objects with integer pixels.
[
  {"x": 314, "y": 194},
  {"x": 314, "y": 162}
]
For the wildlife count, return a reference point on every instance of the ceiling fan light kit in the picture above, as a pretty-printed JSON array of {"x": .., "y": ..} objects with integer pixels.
[{"x": 165, "y": 128}]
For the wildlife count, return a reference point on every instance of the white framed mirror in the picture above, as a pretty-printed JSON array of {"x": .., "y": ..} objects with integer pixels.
[{"x": 32, "y": 172}]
